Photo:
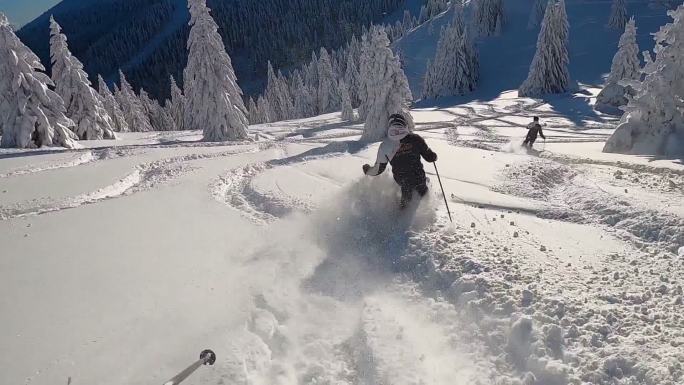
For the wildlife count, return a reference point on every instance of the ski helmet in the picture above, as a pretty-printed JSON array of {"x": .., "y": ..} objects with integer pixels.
[{"x": 398, "y": 128}]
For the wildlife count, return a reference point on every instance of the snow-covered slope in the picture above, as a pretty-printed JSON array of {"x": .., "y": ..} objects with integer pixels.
[
  {"x": 122, "y": 261},
  {"x": 505, "y": 59}
]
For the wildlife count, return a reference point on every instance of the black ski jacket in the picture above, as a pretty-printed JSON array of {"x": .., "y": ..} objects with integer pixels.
[
  {"x": 406, "y": 165},
  {"x": 534, "y": 129}
]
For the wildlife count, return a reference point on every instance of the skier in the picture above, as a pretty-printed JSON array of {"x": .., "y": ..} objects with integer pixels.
[
  {"x": 403, "y": 150},
  {"x": 533, "y": 129}
]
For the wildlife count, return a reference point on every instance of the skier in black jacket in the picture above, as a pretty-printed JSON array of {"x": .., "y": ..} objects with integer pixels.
[
  {"x": 533, "y": 129},
  {"x": 403, "y": 150}
]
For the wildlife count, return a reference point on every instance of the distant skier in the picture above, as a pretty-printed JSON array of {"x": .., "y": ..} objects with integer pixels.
[
  {"x": 403, "y": 150},
  {"x": 533, "y": 129}
]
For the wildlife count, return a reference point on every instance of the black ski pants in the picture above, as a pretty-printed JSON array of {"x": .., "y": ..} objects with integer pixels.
[{"x": 408, "y": 185}]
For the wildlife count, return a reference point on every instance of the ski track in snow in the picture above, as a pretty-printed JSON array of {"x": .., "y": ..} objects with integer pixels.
[
  {"x": 144, "y": 177},
  {"x": 236, "y": 190}
]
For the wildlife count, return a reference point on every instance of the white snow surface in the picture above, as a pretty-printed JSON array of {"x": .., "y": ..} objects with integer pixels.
[{"x": 122, "y": 260}]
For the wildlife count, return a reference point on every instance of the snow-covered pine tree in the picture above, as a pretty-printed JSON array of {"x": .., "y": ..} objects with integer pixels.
[
  {"x": 423, "y": 15},
  {"x": 311, "y": 73},
  {"x": 176, "y": 105},
  {"x": 653, "y": 122},
  {"x": 253, "y": 112},
  {"x": 407, "y": 23},
  {"x": 304, "y": 100},
  {"x": 352, "y": 76},
  {"x": 455, "y": 69},
  {"x": 385, "y": 88},
  {"x": 278, "y": 96},
  {"x": 347, "y": 109},
  {"x": 84, "y": 105},
  {"x": 264, "y": 110},
  {"x": 132, "y": 108},
  {"x": 214, "y": 99},
  {"x": 328, "y": 99},
  {"x": 112, "y": 106},
  {"x": 549, "y": 72},
  {"x": 159, "y": 117},
  {"x": 625, "y": 67},
  {"x": 488, "y": 16},
  {"x": 537, "y": 14},
  {"x": 618, "y": 15},
  {"x": 31, "y": 115}
]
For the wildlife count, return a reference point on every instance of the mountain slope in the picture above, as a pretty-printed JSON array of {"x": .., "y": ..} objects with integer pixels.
[
  {"x": 147, "y": 38},
  {"x": 505, "y": 59}
]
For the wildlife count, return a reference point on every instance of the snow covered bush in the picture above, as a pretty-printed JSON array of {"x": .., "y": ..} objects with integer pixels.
[
  {"x": 384, "y": 87},
  {"x": 625, "y": 67},
  {"x": 112, "y": 106},
  {"x": 84, "y": 105},
  {"x": 455, "y": 69},
  {"x": 618, "y": 15},
  {"x": 549, "y": 72},
  {"x": 214, "y": 99},
  {"x": 132, "y": 107},
  {"x": 653, "y": 122},
  {"x": 31, "y": 115}
]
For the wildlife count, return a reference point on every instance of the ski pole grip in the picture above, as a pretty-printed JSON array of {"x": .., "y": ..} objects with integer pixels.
[{"x": 208, "y": 356}]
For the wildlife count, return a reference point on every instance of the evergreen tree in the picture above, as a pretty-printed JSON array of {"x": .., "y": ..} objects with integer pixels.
[
  {"x": 488, "y": 16},
  {"x": 253, "y": 112},
  {"x": 549, "y": 69},
  {"x": 278, "y": 96},
  {"x": 653, "y": 122},
  {"x": 132, "y": 108},
  {"x": 347, "y": 109},
  {"x": 264, "y": 110},
  {"x": 625, "y": 67},
  {"x": 304, "y": 101},
  {"x": 83, "y": 103},
  {"x": 159, "y": 117},
  {"x": 423, "y": 15},
  {"x": 176, "y": 105},
  {"x": 455, "y": 69},
  {"x": 536, "y": 14},
  {"x": 214, "y": 99},
  {"x": 31, "y": 115},
  {"x": 112, "y": 106},
  {"x": 385, "y": 88},
  {"x": 328, "y": 97},
  {"x": 618, "y": 15}
]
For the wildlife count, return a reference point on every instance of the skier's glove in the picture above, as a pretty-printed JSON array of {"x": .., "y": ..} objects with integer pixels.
[
  {"x": 366, "y": 167},
  {"x": 431, "y": 158}
]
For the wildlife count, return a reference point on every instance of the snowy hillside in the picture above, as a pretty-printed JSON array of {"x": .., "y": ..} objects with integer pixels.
[
  {"x": 505, "y": 59},
  {"x": 125, "y": 259}
]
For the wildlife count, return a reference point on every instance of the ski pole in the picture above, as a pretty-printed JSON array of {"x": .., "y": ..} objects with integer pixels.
[
  {"x": 443, "y": 194},
  {"x": 207, "y": 357}
]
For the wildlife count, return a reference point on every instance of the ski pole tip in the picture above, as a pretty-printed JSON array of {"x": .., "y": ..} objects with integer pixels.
[{"x": 208, "y": 356}]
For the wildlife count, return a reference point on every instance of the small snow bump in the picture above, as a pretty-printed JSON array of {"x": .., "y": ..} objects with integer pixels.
[{"x": 515, "y": 234}]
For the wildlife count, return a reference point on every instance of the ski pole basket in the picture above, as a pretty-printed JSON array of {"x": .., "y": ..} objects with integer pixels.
[{"x": 207, "y": 357}]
